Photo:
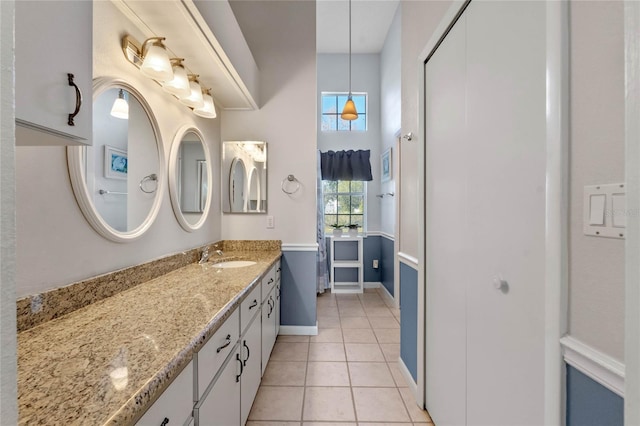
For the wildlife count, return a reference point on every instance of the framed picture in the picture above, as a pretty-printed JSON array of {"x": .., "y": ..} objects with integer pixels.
[
  {"x": 386, "y": 166},
  {"x": 116, "y": 163}
]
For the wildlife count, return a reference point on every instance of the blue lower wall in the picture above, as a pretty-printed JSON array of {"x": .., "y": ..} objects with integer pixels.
[
  {"x": 409, "y": 318},
  {"x": 591, "y": 404},
  {"x": 298, "y": 286},
  {"x": 371, "y": 250},
  {"x": 387, "y": 264}
]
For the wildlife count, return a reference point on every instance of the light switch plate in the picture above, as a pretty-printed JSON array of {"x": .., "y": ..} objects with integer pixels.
[
  {"x": 604, "y": 210},
  {"x": 270, "y": 222}
]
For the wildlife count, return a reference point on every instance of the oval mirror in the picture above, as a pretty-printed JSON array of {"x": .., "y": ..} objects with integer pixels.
[
  {"x": 244, "y": 177},
  {"x": 254, "y": 191},
  {"x": 119, "y": 180},
  {"x": 237, "y": 190},
  {"x": 190, "y": 178}
]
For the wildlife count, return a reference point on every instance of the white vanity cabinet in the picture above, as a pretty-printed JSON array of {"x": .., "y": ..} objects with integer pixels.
[
  {"x": 221, "y": 406},
  {"x": 53, "y": 39},
  {"x": 175, "y": 405},
  {"x": 270, "y": 312},
  {"x": 277, "y": 293},
  {"x": 250, "y": 348}
]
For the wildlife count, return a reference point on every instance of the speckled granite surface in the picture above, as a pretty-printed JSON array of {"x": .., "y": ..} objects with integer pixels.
[{"x": 66, "y": 366}]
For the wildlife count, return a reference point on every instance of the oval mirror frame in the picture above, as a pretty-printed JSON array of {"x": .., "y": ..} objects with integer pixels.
[
  {"x": 75, "y": 163},
  {"x": 237, "y": 162},
  {"x": 173, "y": 178}
]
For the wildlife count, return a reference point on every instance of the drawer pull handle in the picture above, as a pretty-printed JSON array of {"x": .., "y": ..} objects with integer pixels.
[
  {"x": 227, "y": 343},
  {"x": 70, "y": 122},
  {"x": 278, "y": 270},
  {"x": 244, "y": 343},
  {"x": 241, "y": 367},
  {"x": 165, "y": 422},
  {"x": 254, "y": 304},
  {"x": 270, "y": 281}
]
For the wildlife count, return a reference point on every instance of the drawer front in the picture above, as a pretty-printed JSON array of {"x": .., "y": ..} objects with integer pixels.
[
  {"x": 175, "y": 404},
  {"x": 268, "y": 282},
  {"x": 249, "y": 308},
  {"x": 216, "y": 350}
]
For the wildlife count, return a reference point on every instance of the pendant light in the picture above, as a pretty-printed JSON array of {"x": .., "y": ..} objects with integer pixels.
[
  {"x": 349, "y": 112},
  {"x": 120, "y": 108},
  {"x": 156, "y": 63}
]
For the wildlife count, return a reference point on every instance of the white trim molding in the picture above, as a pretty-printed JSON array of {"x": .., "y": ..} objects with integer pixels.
[
  {"x": 408, "y": 260},
  {"x": 380, "y": 234},
  {"x": 413, "y": 386},
  {"x": 384, "y": 293},
  {"x": 600, "y": 367},
  {"x": 372, "y": 284},
  {"x": 299, "y": 247},
  {"x": 299, "y": 330}
]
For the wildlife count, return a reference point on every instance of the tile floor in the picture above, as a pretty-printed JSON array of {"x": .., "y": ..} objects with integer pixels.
[{"x": 346, "y": 375}]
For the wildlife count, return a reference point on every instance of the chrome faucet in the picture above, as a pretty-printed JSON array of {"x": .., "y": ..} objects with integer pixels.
[
  {"x": 204, "y": 256},
  {"x": 219, "y": 252}
]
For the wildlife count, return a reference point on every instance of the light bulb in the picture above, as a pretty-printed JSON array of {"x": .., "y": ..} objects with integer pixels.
[
  {"x": 179, "y": 85},
  {"x": 194, "y": 100},
  {"x": 208, "y": 110},
  {"x": 156, "y": 63}
]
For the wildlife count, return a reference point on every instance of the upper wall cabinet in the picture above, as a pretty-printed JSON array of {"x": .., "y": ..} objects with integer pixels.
[
  {"x": 53, "y": 40},
  {"x": 208, "y": 36}
]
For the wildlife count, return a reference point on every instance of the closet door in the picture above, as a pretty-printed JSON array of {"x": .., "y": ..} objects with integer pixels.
[
  {"x": 506, "y": 131},
  {"x": 447, "y": 233}
]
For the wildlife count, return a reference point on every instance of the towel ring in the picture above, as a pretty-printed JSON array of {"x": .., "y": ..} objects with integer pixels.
[
  {"x": 150, "y": 178},
  {"x": 290, "y": 178}
]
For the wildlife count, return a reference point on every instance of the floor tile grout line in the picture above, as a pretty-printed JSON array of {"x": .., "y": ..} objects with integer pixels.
[
  {"x": 353, "y": 397},
  {"x": 304, "y": 383}
]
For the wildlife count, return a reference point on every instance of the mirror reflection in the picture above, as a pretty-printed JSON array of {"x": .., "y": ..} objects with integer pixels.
[
  {"x": 122, "y": 164},
  {"x": 244, "y": 174},
  {"x": 190, "y": 178}
]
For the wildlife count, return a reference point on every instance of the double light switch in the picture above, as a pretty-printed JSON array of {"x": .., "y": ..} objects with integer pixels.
[{"x": 605, "y": 210}]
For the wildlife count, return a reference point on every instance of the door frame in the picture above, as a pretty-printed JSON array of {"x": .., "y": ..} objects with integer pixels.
[
  {"x": 556, "y": 213},
  {"x": 632, "y": 246}
]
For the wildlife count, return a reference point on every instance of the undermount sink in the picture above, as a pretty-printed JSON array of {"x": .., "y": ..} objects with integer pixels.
[{"x": 234, "y": 264}]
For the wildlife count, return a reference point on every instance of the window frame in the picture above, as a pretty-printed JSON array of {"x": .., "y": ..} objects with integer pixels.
[
  {"x": 338, "y": 112},
  {"x": 327, "y": 227}
]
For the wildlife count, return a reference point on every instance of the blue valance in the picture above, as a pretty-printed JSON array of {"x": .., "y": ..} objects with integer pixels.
[{"x": 346, "y": 165}]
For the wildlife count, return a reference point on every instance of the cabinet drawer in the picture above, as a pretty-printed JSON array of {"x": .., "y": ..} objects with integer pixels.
[
  {"x": 175, "y": 403},
  {"x": 249, "y": 308},
  {"x": 216, "y": 350},
  {"x": 269, "y": 282}
]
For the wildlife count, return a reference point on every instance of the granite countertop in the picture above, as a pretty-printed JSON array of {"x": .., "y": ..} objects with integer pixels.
[{"x": 105, "y": 363}]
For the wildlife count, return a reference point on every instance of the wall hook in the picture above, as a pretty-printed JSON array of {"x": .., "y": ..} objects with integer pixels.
[{"x": 408, "y": 136}]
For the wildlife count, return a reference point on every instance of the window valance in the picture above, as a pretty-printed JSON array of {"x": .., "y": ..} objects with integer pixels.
[{"x": 346, "y": 165}]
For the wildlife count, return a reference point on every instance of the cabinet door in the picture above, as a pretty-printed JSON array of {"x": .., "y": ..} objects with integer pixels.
[
  {"x": 221, "y": 406},
  {"x": 52, "y": 39},
  {"x": 250, "y": 350},
  {"x": 268, "y": 328},
  {"x": 277, "y": 312},
  {"x": 175, "y": 404}
]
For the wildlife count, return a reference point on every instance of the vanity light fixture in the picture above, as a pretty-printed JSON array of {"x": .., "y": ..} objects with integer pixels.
[
  {"x": 349, "y": 112},
  {"x": 155, "y": 60},
  {"x": 152, "y": 59},
  {"x": 208, "y": 110},
  {"x": 195, "y": 99},
  {"x": 120, "y": 108},
  {"x": 179, "y": 85}
]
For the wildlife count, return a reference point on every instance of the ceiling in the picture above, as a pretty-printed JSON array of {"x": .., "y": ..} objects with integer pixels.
[{"x": 370, "y": 22}]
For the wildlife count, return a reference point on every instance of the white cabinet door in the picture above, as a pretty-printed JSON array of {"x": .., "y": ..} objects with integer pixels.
[
  {"x": 277, "y": 312},
  {"x": 175, "y": 404},
  {"x": 250, "y": 349},
  {"x": 268, "y": 328},
  {"x": 221, "y": 406},
  {"x": 53, "y": 39}
]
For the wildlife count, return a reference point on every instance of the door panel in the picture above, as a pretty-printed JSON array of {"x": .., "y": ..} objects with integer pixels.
[{"x": 447, "y": 232}]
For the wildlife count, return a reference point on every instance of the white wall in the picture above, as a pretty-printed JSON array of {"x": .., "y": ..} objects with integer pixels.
[
  {"x": 596, "y": 274},
  {"x": 390, "y": 112},
  {"x": 286, "y": 119},
  {"x": 56, "y": 245},
  {"x": 419, "y": 20},
  {"x": 8, "y": 388},
  {"x": 333, "y": 76}
]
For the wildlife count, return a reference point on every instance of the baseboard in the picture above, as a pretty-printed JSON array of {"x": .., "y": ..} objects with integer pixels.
[
  {"x": 299, "y": 330},
  {"x": 387, "y": 296},
  {"x": 600, "y": 367},
  {"x": 413, "y": 386},
  {"x": 372, "y": 285}
]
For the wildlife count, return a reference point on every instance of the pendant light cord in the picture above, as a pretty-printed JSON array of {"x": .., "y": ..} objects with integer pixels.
[{"x": 349, "y": 49}]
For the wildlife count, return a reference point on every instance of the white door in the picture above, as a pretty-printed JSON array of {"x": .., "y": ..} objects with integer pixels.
[{"x": 486, "y": 161}]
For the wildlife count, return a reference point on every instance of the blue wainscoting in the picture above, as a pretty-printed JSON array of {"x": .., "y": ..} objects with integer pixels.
[
  {"x": 387, "y": 264},
  {"x": 371, "y": 250},
  {"x": 298, "y": 292},
  {"x": 591, "y": 404},
  {"x": 409, "y": 318}
]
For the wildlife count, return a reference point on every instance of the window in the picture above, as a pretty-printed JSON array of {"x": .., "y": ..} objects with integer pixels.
[
  {"x": 344, "y": 204},
  {"x": 332, "y": 105}
]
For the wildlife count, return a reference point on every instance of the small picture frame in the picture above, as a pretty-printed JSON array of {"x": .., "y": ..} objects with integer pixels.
[
  {"x": 116, "y": 163},
  {"x": 386, "y": 166}
]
